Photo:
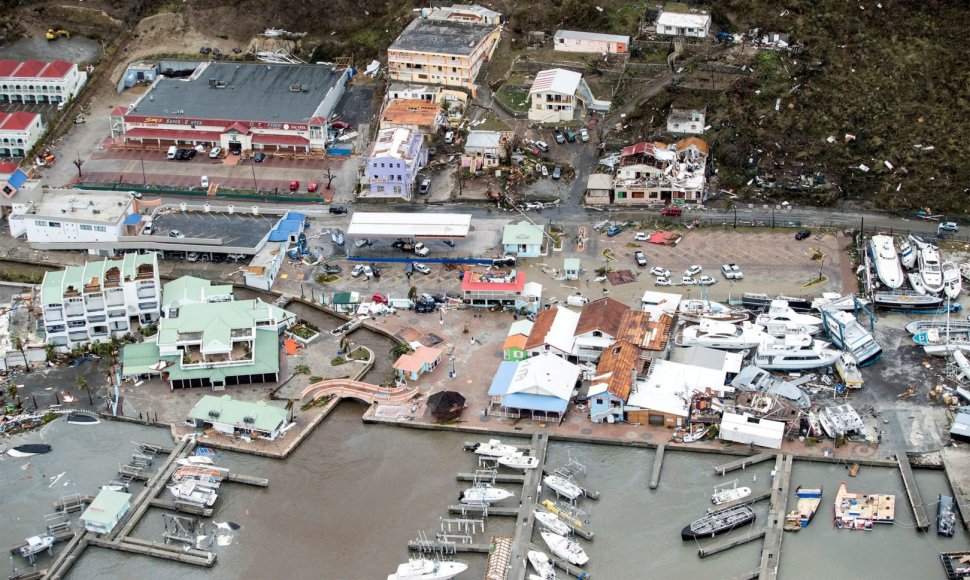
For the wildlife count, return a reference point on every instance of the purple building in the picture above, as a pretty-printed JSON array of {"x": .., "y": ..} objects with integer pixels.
[{"x": 393, "y": 164}]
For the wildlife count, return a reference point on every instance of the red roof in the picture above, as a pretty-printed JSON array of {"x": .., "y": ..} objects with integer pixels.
[
  {"x": 7, "y": 167},
  {"x": 317, "y": 121},
  {"x": 173, "y": 134},
  {"x": 35, "y": 69},
  {"x": 472, "y": 281},
  {"x": 272, "y": 139},
  {"x": 643, "y": 147},
  {"x": 7, "y": 67},
  {"x": 663, "y": 238},
  {"x": 18, "y": 121},
  {"x": 238, "y": 128},
  {"x": 30, "y": 68},
  {"x": 56, "y": 70},
  {"x": 119, "y": 111}
]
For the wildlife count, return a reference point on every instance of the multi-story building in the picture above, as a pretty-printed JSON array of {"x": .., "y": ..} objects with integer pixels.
[
  {"x": 661, "y": 174},
  {"x": 18, "y": 133},
  {"x": 442, "y": 52},
  {"x": 97, "y": 302},
  {"x": 213, "y": 345},
  {"x": 415, "y": 114},
  {"x": 393, "y": 164},
  {"x": 689, "y": 121},
  {"x": 39, "y": 82},
  {"x": 485, "y": 149},
  {"x": 500, "y": 288},
  {"x": 465, "y": 13},
  {"x": 73, "y": 219},
  {"x": 191, "y": 290},
  {"x": 557, "y": 95}
]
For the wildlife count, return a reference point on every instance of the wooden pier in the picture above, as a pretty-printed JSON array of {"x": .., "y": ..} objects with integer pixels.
[
  {"x": 63, "y": 562},
  {"x": 912, "y": 491},
  {"x": 247, "y": 479},
  {"x": 774, "y": 531},
  {"x": 525, "y": 521},
  {"x": 158, "y": 550},
  {"x": 484, "y": 510},
  {"x": 494, "y": 478},
  {"x": 500, "y": 558},
  {"x": 181, "y": 506},
  {"x": 658, "y": 463},
  {"x": 731, "y": 542},
  {"x": 742, "y": 463}
]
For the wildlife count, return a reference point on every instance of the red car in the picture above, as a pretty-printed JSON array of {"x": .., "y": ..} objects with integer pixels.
[
  {"x": 294, "y": 185},
  {"x": 311, "y": 187},
  {"x": 339, "y": 125},
  {"x": 379, "y": 298}
]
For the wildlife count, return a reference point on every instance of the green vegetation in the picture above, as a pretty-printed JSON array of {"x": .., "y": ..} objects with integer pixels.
[
  {"x": 322, "y": 401},
  {"x": 304, "y": 331},
  {"x": 148, "y": 330},
  {"x": 22, "y": 277},
  {"x": 314, "y": 379},
  {"x": 514, "y": 97},
  {"x": 337, "y": 361},
  {"x": 301, "y": 370},
  {"x": 323, "y": 279}
]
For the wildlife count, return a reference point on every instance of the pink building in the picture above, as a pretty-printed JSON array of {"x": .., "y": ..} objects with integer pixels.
[{"x": 576, "y": 41}]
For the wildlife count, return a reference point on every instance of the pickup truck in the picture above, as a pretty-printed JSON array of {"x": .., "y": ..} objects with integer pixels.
[{"x": 405, "y": 246}]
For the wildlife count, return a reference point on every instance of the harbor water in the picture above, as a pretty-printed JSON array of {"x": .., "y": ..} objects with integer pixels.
[{"x": 345, "y": 504}]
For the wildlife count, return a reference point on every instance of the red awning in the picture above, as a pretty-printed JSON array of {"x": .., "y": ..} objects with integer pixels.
[
  {"x": 173, "y": 134},
  {"x": 271, "y": 139}
]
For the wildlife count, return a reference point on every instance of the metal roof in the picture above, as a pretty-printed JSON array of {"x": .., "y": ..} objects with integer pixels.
[
  {"x": 263, "y": 417},
  {"x": 556, "y": 80},
  {"x": 582, "y": 35},
  {"x": 442, "y": 37},
  {"x": 522, "y": 233},
  {"x": 106, "y": 507},
  {"x": 409, "y": 225}
]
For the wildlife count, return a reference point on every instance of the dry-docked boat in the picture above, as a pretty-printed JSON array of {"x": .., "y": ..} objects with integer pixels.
[
  {"x": 886, "y": 261},
  {"x": 721, "y": 335},
  {"x": 697, "y": 310},
  {"x": 797, "y": 352},
  {"x": 848, "y": 334},
  {"x": 907, "y": 255},
  {"x": 930, "y": 269},
  {"x": 952, "y": 284}
]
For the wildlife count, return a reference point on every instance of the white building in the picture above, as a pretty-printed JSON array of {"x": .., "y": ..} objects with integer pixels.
[
  {"x": 678, "y": 19},
  {"x": 686, "y": 121},
  {"x": 599, "y": 326},
  {"x": 39, "y": 82},
  {"x": 749, "y": 430},
  {"x": 18, "y": 133},
  {"x": 96, "y": 302},
  {"x": 553, "y": 332},
  {"x": 556, "y": 96},
  {"x": 71, "y": 219},
  {"x": 484, "y": 149},
  {"x": 656, "y": 304},
  {"x": 578, "y": 41},
  {"x": 664, "y": 397},
  {"x": 464, "y": 13}
]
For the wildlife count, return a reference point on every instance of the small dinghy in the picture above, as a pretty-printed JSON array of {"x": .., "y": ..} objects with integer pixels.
[
  {"x": 82, "y": 419},
  {"x": 29, "y": 449}
]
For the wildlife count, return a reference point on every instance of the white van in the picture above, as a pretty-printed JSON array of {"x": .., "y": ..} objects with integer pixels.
[
  {"x": 171, "y": 151},
  {"x": 576, "y": 300}
]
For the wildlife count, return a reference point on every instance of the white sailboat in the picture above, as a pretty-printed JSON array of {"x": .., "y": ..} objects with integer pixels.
[
  {"x": 930, "y": 269},
  {"x": 519, "y": 461},
  {"x": 916, "y": 281},
  {"x": 542, "y": 564},
  {"x": 722, "y": 335},
  {"x": 484, "y": 494},
  {"x": 495, "y": 448},
  {"x": 551, "y": 522},
  {"x": 907, "y": 256},
  {"x": 727, "y": 494},
  {"x": 424, "y": 569},
  {"x": 952, "y": 282},
  {"x": 562, "y": 486},
  {"x": 796, "y": 352},
  {"x": 568, "y": 550},
  {"x": 884, "y": 257}
]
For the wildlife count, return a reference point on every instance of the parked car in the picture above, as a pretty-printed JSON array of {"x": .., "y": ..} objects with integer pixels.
[
  {"x": 409, "y": 269},
  {"x": 175, "y": 234},
  {"x": 560, "y": 138},
  {"x": 294, "y": 185},
  {"x": 450, "y": 137},
  {"x": 688, "y": 281},
  {"x": 379, "y": 298},
  {"x": 338, "y": 125},
  {"x": 671, "y": 211},
  {"x": 448, "y": 243},
  {"x": 662, "y": 282},
  {"x": 259, "y": 157},
  {"x": 214, "y": 154},
  {"x": 204, "y": 182},
  {"x": 641, "y": 237},
  {"x": 542, "y": 146},
  {"x": 805, "y": 233},
  {"x": 361, "y": 269},
  {"x": 421, "y": 268},
  {"x": 948, "y": 227},
  {"x": 640, "y": 258},
  {"x": 192, "y": 256},
  {"x": 506, "y": 261},
  {"x": 707, "y": 281},
  {"x": 738, "y": 274},
  {"x": 237, "y": 257},
  {"x": 362, "y": 242},
  {"x": 420, "y": 249},
  {"x": 557, "y": 172},
  {"x": 332, "y": 269},
  {"x": 570, "y": 136},
  {"x": 375, "y": 271},
  {"x": 191, "y": 153},
  {"x": 727, "y": 271},
  {"x": 614, "y": 230},
  {"x": 660, "y": 272},
  {"x": 338, "y": 209},
  {"x": 424, "y": 187},
  {"x": 584, "y": 135},
  {"x": 148, "y": 230},
  {"x": 424, "y": 307},
  {"x": 311, "y": 187},
  {"x": 695, "y": 269}
]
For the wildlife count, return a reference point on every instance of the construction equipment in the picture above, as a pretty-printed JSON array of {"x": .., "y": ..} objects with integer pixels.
[{"x": 53, "y": 34}]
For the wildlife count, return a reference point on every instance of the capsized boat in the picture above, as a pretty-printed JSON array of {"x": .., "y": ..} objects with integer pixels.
[
  {"x": 727, "y": 494},
  {"x": 29, "y": 450},
  {"x": 484, "y": 494},
  {"x": 191, "y": 492},
  {"x": 551, "y": 522},
  {"x": 795, "y": 352},
  {"x": 809, "y": 498},
  {"x": 82, "y": 419},
  {"x": 543, "y": 565},
  {"x": 425, "y": 569},
  {"x": 566, "y": 549},
  {"x": 916, "y": 281},
  {"x": 907, "y": 256},
  {"x": 930, "y": 269},
  {"x": 519, "y": 461},
  {"x": 495, "y": 448},
  {"x": 718, "y": 522},
  {"x": 952, "y": 284},
  {"x": 562, "y": 486},
  {"x": 917, "y": 326},
  {"x": 886, "y": 261},
  {"x": 35, "y": 545},
  {"x": 946, "y": 517},
  {"x": 721, "y": 335},
  {"x": 847, "y": 333}
]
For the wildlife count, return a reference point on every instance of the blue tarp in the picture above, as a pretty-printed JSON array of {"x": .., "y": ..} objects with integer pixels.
[
  {"x": 133, "y": 219},
  {"x": 530, "y": 402},
  {"x": 502, "y": 378},
  {"x": 17, "y": 178}
]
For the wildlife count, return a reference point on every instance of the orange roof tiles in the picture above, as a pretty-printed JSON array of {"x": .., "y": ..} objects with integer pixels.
[
  {"x": 515, "y": 341},
  {"x": 416, "y": 112},
  {"x": 701, "y": 144}
]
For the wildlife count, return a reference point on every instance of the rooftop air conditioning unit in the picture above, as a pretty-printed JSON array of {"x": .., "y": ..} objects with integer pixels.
[
  {"x": 214, "y": 414},
  {"x": 249, "y": 419}
]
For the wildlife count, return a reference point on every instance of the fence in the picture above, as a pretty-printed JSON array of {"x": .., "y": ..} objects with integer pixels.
[{"x": 253, "y": 197}]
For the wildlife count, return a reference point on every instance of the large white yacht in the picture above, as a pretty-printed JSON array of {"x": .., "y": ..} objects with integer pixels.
[
  {"x": 794, "y": 352},
  {"x": 887, "y": 264},
  {"x": 930, "y": 269},
  {"x": 722, "y": 335},
  {"x": 848, "y": 334}
]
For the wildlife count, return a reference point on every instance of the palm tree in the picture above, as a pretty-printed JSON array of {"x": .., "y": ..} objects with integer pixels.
[
  {"x": 413, "y": 294},
  {"x": 82, "y": 383},
  {"x": 400, "y": 349}
]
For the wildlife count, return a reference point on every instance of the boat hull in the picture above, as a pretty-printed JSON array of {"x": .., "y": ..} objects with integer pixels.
[{"x": 688, "y": 534}]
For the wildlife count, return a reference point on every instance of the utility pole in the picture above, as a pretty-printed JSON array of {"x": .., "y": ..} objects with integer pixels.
[
  {"x": 143, "y": 176},
  {"x": 255, "y": 186},
  {"x": 78, "y": 163}
]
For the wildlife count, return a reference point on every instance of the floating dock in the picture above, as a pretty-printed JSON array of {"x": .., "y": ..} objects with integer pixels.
[
  {"x": 442, "y": 547},
  {"x": 158, "y": 550},
  {"x": 742, "y": 463},
  {"x": 492, "y": 477},
  {"x": 777, "y": 511},
  {"x": 73, "y": 503},
  {"x": 525, "y": 523},
  {"x": 486, "y": 510},
  {"x": 730, "y": 543},
  {"x": 912, "y": 491},
  {"x": 658, "y": 463}
]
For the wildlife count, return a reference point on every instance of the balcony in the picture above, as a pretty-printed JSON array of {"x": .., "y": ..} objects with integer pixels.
[
  {"x": 147, "y": 292},
  {"x": 78, "y": 336},
  {"x": 74, "y": 311},
  {"x": 95, "y": 306},
  {"x": 148, "y": 305},
  {"x": 121, "y": 326},
  {"x": 56, "y": 329},
  {"x": 117, "y": 313},
  {"x": 192, "y": 357},
  {"x": 96, "y": 318}
]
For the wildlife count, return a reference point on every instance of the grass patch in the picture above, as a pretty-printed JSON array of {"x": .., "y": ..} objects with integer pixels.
[
  {"x": 492, "y": 123},
  {"x": 324, "y": 279},
  {"x": 816, "y": 282},
  {"x": 81, "y": 16},
  {"x": 314, "y": 379},
  {"x": 337, "y": 361},
  {"x": 359, "y": 354},
  {"x": 303, "y": 331},
  {"x": 514, "y": 97}
]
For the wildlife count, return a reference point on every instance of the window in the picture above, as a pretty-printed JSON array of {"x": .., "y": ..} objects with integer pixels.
[
  {"x": 53, "y": 224},
  {"x": 40, "y": 223},
  {"x": 100, "y": 229},
  {"x": 85, "y": 227}
]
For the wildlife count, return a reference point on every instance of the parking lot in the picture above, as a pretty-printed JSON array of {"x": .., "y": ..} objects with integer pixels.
[{"x": 241, "y": 230}]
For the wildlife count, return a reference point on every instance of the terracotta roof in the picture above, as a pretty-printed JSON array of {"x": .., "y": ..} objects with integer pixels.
[
  {"x": 416, "y": 112},
  {"x": 515, "y": 341},
  {"x": 619, "y": 360},
  {"x": 56, "y": 70},
  {"x": 604, "y": 315},
  {"x": 701, "y": 144},
  {"x": 540, "y": 328},
  {"x": 7, "y": 167}
]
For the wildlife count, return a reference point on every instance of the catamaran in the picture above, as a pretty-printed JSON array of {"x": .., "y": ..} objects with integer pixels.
[{"x": 887, "y": 264}]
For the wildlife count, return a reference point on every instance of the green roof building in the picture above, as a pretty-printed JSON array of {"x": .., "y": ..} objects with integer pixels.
[
  {"x": 523, "y": 239},
  {"x": 236, "y": 418},
  {"x": 191, "y": 290}
]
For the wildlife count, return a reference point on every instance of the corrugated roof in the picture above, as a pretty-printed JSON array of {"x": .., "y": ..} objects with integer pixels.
[
  {"x": 475, "y": 281},
  {"x": 263, "y": 417},
  {"x": 556, "y": 80},
  {"x": 417, "y": 112},
  {"x": 617, "y": 366},
  {"x": 266, "y": 360},
  {"x": 409, "y": 225},
  {"x": 106, "y": 506},
  {"x": 605, "y": 315},
  {"x": 189, "y": 289},
  {"x": 583, "y": 35},
  {"x": 555, "y": 327},
  {"x": 523, "y": 327},
  {"x": 197, "y": 318},
  {"x": 139, "y": 358}
]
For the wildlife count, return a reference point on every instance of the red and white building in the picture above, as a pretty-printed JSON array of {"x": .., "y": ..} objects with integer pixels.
[
  {"x": 274, "y": 108},
  {"x": 18, "y": 133},
  {"x": 499, "y": 288},
  {"x": 33, "y": 81}
]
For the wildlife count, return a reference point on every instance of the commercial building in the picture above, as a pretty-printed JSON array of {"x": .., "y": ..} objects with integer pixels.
[
  {"x": 523, "y": 239},
  {"x": 442, "y": 52},
  {"x": 213, "y": 345},
  {"x": 677, "y": 19},
  {"x": 599, "y": 326},
  {"x": 19, "y": 132},
  {"x": 238, "y": 418},
  {"x": 278, "y": 108},
  {"x": 663, "y": 398},
  {"x": 748, "y": 430},
  {"x": 418, "y": 226},
  {"x": 96, "y": 302},
  {"x": 105, "y": 511},
  {"x": 599, "y": 189},
  {"x": 578, "y": 41},
  {"x": 505, "y": 289},
  {"x": 265, "y": 266},
  {"x": 392, "y": 167},
  {"x": 33, "y": 81},
  {"x": 661, "y": 174},
  {"x": 557, "y": 95},
  {"x": 71, "y": 219},
  {"x": 539, "y": 387},
  {"x": 688, "y": 121}
]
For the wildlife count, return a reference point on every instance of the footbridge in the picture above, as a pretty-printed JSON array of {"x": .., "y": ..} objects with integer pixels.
[{"x": 347, "y": 389}]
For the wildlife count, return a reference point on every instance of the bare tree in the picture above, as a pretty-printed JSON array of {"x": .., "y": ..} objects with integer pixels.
[
  {"x": 78, "y": 163},
  {"x": 330, "y": 175}
]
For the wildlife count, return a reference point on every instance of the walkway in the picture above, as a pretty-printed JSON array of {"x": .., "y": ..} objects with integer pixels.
[{"x": 347, "y": 389}]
